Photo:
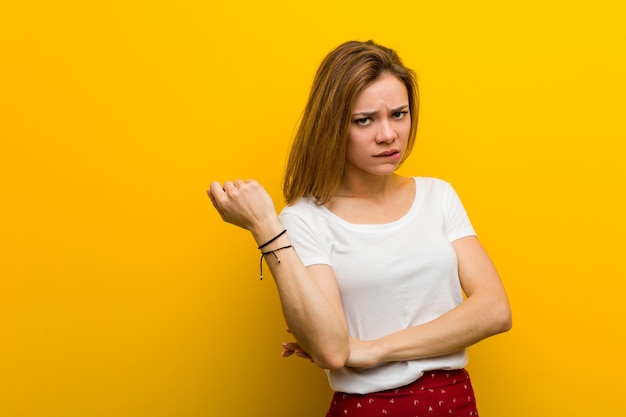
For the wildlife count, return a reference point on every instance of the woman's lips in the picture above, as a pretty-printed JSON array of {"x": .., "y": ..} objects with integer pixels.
[{"x": 392, "y": 153}]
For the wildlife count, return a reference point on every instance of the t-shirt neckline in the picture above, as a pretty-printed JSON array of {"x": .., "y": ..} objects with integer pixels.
[{"x": 417, "y": 198}]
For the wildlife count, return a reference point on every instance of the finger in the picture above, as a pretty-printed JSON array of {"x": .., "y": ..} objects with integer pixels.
[
  {"x": 286, "y": 353},
  {"x": 229, "y": 186},
  {"x": 215, "y": 205},
  {"x": 210, "y": 194},
  {"x": 216, "y": 195},
  {"x": 302, "y": 354},
  {"x": 215, "y": 191}
]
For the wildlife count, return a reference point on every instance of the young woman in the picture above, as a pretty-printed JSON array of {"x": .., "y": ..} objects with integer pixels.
[{"x": 371, "y": 266}]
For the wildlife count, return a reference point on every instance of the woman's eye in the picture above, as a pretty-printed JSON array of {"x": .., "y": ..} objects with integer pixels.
[
  {"x": 363, "y": 121},
  {"x": 399, "y": 114}
]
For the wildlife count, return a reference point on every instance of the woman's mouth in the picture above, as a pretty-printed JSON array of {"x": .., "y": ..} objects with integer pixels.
[{"x": 392, "y": 153}]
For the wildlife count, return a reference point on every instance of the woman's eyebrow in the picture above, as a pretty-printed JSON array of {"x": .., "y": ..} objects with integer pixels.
[
  {"x": 374, "y": 113},
  {"x": 366, "y": 113},
  {"x": 401, "y": 108}
]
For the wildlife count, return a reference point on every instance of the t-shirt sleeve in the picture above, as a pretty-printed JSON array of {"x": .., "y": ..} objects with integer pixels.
[
  {"x": 304, "y": 240},
  {"x": 457, "y": 224}
]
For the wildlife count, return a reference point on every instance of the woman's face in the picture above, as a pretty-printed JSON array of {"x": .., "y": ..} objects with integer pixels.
[{"x": 379, "y": 128}]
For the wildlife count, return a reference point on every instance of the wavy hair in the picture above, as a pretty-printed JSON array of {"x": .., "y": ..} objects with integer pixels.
[{"x": 317, "y": 158}]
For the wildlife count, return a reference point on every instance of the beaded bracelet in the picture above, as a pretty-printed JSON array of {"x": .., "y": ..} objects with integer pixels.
[{"x": 273, "y": 252}]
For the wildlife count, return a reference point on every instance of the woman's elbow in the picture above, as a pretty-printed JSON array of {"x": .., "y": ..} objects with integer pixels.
[
  {"x": 332, "y": 363},
  {"x": 502, "y": 317},
  {"x": 333, "y": 360}
]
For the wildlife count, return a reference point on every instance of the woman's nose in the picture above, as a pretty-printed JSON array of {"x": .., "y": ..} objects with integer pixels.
[{"x": 386, "y": 134}]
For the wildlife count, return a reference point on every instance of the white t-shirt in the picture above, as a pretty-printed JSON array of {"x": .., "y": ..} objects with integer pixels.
[{"x": 391, "y": 276}]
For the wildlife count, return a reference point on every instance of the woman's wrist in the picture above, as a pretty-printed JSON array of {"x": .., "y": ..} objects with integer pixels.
[
  {"x": 379, "y": 350},
  {"x": 269, "y": 242},
  {"x": 264, "y": 233}
]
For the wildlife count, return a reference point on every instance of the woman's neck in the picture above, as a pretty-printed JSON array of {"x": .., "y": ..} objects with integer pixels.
[
  {"x": 375, "y": 202},
  {"x": 373, "y": 188}
]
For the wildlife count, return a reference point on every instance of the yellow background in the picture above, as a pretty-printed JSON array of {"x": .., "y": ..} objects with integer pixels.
[{"x": 123, "y": 294}]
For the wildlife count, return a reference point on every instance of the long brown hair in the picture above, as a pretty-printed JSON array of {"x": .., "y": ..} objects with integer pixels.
[{"x": 317, "y": 158}]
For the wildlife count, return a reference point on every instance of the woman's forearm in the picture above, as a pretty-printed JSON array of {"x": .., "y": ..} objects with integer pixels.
[
  {"x": 310, "y": 310},
  {"x": 470, "y": 322},
  {"x": 311, "y": 304},
  {"x": 475, "y": 319}
]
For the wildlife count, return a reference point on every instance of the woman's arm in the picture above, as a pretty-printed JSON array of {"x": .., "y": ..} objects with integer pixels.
[
  {"x": 309, "y": 296},
  {"x": 485, "y": 312}
]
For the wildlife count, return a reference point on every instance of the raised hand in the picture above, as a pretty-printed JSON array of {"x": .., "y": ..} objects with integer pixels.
[{"x": 242, "y": 203}]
